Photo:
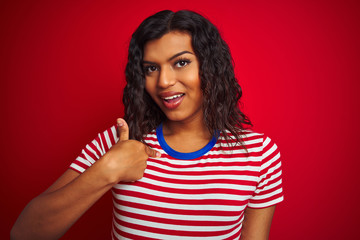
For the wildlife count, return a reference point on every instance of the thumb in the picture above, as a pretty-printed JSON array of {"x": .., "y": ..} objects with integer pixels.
[
  {"x": 123, "y": 129},
  {"x": 152, "y": 153}
]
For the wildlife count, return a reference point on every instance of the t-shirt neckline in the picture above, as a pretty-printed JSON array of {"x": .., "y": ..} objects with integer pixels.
[{"x": 180, "y": 155}]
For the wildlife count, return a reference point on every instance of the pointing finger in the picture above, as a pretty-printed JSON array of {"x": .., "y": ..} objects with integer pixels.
[{"x": 152, "y": 153}]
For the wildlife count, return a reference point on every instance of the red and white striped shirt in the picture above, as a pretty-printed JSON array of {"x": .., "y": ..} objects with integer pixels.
[{"x": 200, "y": 195}]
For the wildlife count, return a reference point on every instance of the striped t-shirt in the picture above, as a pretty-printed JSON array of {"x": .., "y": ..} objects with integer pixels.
[{"x": 199, "y": 195}]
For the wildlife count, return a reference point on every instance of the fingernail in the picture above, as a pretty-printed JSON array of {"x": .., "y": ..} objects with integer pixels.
[
  {"x": 158, "y": 154},
  {"x": 120, "y": 124}
]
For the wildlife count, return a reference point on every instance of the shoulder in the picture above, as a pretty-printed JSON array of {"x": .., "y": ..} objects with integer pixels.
[
  {"x": 109, "y": 137},
  {"x": 247, "y": 137},
  {"x": 104, "y": 140},
  {"x": 151, "y": 138},
  {"x": 95, "y": 149},
  {"x": 254, "y": 142}
]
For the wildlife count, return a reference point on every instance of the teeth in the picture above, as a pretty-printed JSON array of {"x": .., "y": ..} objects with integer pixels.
[{"x": 172, "y": 97}]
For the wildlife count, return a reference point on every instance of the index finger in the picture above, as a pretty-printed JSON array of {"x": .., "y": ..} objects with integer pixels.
[{"x": 152, "y": 153}]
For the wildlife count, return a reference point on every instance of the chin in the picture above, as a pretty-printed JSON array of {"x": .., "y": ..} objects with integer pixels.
[
  {"x": 175, "y": 118},
  {"x": 182, "y": 117}
]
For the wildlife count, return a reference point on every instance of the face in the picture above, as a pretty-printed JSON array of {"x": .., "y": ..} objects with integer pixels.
[{"x": 172, "y": 76}]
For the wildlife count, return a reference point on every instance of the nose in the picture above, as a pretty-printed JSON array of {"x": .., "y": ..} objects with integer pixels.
[{"x": 167, "y": 77}]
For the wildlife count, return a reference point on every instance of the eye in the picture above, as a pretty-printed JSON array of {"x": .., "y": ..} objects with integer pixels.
[
  {"x": 182, "y": 63},
  {"x": 150, "y": 69}
]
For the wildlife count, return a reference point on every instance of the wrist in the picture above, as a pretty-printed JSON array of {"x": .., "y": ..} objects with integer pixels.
[{"x": 106, "y": 168}]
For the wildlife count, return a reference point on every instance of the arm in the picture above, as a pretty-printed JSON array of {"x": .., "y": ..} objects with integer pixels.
[
  {"x": 257, "y": 222},
  {"x": 259, "y": 213},
  {"x": 52, "y": 213}
]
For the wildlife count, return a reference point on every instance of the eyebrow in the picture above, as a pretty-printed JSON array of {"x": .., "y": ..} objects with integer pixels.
[{"x": 171, "y": 58}]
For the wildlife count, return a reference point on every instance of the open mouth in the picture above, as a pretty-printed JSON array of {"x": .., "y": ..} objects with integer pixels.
[
  {"x": 173, "y": 98},
  {"x": 173, "y": 101}
]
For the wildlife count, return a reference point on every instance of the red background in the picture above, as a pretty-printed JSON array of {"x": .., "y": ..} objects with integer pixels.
[{"x": 61, "y": 72}]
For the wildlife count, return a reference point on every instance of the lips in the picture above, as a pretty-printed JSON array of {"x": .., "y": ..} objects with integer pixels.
[{"x": 171, "y": 100}]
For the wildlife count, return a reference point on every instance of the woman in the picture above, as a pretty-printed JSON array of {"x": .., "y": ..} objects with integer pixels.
[{"x": 190, "y": 170}]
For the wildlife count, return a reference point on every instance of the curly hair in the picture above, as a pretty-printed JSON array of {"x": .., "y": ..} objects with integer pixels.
[{"x": 221, "y": 91}]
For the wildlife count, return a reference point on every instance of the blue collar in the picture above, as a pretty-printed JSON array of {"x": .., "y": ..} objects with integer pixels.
[{"x": 180, "y": 155}]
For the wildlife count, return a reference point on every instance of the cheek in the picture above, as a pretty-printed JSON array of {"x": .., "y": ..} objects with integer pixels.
[
  {"x": 147, "y": 87},
  {"x": 150, "y": 88},
  {"x": 194, "y": 83},
  {"x": 191, "y": 79}
]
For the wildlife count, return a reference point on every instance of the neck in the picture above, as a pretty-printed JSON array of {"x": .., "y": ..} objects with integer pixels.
[
  {"x": 195, "y": 128},
  {"x": 188, "y": 135}
]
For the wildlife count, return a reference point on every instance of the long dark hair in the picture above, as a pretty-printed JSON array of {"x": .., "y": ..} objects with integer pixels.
[{"x": 220, "y": 88}]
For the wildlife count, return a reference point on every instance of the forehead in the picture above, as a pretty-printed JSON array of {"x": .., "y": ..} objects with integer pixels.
[{"x": 167, "y": 46}]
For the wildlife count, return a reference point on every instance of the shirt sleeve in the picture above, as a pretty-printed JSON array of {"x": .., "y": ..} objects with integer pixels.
[
  {"x": 95, "y": 150},
  {"x": 269, "y": 189}
]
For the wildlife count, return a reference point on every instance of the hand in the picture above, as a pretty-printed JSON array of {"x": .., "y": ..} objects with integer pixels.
[{"x": 126, "y": 160}]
